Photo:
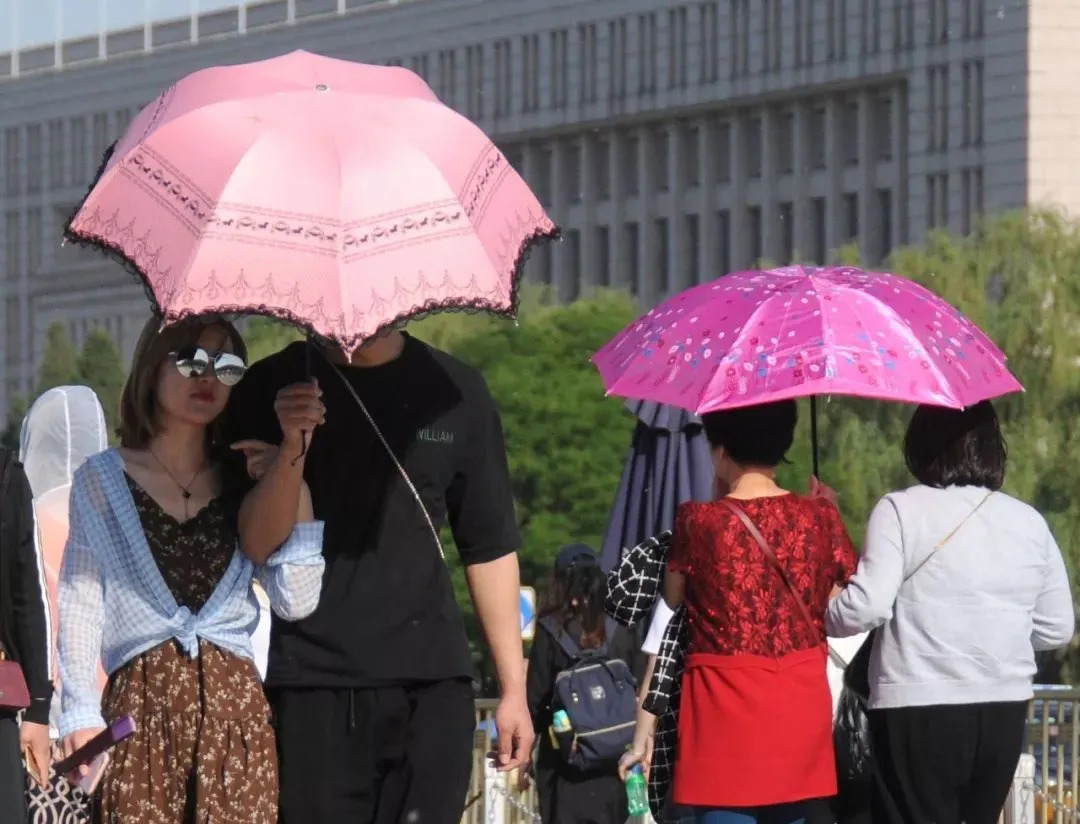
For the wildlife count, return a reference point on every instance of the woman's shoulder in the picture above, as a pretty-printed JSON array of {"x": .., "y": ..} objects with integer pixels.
[{"x": 99, "y": 462}]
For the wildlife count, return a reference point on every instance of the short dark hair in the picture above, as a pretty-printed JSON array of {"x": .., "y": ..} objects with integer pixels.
[
  {"x": 956, "y": 447},
  {"x": 758, "y": 435}
]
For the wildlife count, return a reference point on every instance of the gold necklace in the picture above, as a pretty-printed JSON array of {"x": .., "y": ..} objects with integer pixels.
[{"x": 185, "y": 491}]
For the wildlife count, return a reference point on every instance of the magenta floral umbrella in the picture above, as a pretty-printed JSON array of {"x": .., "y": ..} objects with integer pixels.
[{"x": 799, "y": 331}]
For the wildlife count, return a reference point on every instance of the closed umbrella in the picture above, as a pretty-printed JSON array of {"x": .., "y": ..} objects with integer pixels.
[{"x": 668, "y": 462}]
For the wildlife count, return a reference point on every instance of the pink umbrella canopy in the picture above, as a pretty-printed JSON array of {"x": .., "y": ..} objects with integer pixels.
[
  {"x": 344, "y": 198},
  {"x": 760, "y": 336}
]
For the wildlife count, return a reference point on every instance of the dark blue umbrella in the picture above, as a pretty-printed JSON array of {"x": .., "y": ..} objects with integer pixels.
[{"x": 668, "y": 462}]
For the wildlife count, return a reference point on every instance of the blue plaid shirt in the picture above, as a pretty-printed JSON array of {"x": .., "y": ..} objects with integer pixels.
[{"x": 115, "y": 605}]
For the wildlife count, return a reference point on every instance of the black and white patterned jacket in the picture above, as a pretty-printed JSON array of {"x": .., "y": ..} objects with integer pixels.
[{"x": 632, "y": 589}]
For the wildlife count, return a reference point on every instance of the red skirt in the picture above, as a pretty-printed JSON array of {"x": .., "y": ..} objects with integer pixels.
[{"x": 755, "y": 731}]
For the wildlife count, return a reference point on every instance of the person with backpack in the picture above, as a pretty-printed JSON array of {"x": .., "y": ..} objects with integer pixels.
[
  {"x": 582, "y": 695},
  {"x": 24, "y": 639}
]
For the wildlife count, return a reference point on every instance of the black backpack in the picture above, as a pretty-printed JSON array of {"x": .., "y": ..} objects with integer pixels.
[{"x": 598, "y": 693}]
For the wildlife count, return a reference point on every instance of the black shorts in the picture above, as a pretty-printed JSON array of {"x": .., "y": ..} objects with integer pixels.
[{"x": 375, "y": 756}]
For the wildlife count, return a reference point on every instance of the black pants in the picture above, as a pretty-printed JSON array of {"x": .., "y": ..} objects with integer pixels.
[
  {"x": 945, "y": 764},
  {"x": 375, "y": 756},
  {"x": 12, "y": 780}
]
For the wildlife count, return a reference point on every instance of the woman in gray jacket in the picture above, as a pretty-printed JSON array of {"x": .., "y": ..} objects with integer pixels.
[{"x": 963, "y": 584}]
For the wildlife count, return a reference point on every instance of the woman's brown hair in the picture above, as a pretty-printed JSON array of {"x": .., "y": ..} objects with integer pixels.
[
  {"x": 578, "y": 592},
  {"x": 138, "y": 401}
]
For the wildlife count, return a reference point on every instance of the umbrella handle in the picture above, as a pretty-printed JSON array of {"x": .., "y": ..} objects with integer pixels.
[
  {"x": 813, "y": 434},
  {"x": 308, "y": 349}
]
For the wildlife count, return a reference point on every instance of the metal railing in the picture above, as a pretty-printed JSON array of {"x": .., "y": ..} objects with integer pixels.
[{"x": 1049, "y": 792}]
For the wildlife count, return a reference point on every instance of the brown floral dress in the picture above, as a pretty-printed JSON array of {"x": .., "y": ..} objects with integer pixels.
[{"x": 203, "y": 750}]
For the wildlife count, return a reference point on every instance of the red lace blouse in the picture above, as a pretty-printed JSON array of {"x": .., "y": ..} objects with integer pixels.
[{"x": 735, "y": 602}]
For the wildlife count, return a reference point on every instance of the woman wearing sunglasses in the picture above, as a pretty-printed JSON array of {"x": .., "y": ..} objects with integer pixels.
[{"x": 153, "y": 586}]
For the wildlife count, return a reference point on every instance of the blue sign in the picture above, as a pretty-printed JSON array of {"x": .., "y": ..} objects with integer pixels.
[{"x": 528, "y": 613}]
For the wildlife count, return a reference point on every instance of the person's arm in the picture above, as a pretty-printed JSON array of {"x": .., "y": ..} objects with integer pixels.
[
  {"x": 30, "y": 607},
  {"x": 261, "y": 418},
  {"x": 1053, "y": 621},
  {"x": 82, "y": 618},
  {"x": 293, "y": 576},
  {"x": 641, "y": 750},
  {"x": 540, "y": 677},
  {"x": 480, "y": 507},
  {"x": 867, "y": 601}
]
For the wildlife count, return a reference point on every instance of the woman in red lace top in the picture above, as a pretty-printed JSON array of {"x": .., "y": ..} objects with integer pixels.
[{"x": 755, "y": 723}]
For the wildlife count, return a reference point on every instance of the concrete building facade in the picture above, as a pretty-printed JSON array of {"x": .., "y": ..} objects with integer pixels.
[{"x": 672, "y": 141}]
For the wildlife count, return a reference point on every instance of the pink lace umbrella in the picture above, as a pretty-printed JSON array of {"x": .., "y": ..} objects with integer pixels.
[
  {"x": 342, "y": 197},
  {"x": 760, "y": 336}
]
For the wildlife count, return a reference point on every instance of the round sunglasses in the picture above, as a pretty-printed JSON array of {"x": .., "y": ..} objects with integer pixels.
[{"x": 196, "y": 362}]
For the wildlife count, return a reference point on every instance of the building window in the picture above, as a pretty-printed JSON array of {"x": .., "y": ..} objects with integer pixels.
[
  {"x": 785, "y": 142},
  {"x": 661, "y": 157},
  {"x": 542, "y": 183},
  {"x": 447, "y": 76},
  {"x": 937, "y": 201},
  {"x": 973, "y": 103},
  {"x": 740, "y": 38},
  {"x": 785, "y": 214},
  {"x": 571, "y": 172},
  {"x": 603, "y": 255},
  {"x": 56, "y": 154},
  {"x": 723, "y": 240},
  {"x": 723, "y": 151},
  {"x": 663, "y": 253},
  {"x": 677, "y": 47},
  {"x": 617, "y": 57},
  {"x": 474, "y": 81},
  {"x": 851, "y": 217},
  {"x": 772, "y": 36},
  {"x": 530, "y": 74},
  {"x": 692, "y": 256},
  {"x": 631, "y": 178},
  {"x": 691, "y": 154},
  {"x": 709, "y": 40},
  {"x": 816, "y": 128},
  {"x": 849, "y": 132},
  {"x": 589, "y": 61},
  {"x": 819, "y": 230},
  {"x": 602, "y": 168},
  {"x": 35, "y": 241},
  {"x": 35, "y": 161},
  {"x": 939, "y": 22},
  {"x": 883, "y": 127},
  {"x": 12, "y": 161},
  {"x": 752, "y": 148},
  {"x": 870, "y": 30},
  {"x": 631, "y": 255},
  {"x": 937, "y": 78},
  {"x": 973, "y": 196},
  {"x": 755, "y": 228},
  {"x": 885, "y": 225},
  {"x": 647, "y": 51},
  {"x": 836, "y": 30},
  {"x": 560, "y": 69},
  {"x": 503, "y": 77},
  {"x": 573, "y": 244},
  {"x": 100, "y": 137},
  {"x": 974, "y": 12},
  {"x": 12, "y": 236}
]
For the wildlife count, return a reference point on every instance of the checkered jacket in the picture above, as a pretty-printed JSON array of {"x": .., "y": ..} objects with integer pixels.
[{"x": 632, "y": 589}]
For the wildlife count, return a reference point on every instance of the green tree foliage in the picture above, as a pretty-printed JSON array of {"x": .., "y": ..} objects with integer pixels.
[
  {"x": 59, "y": 365},
  {"x": 264, "y": 336},
  {"x": 100, "y": 367},
  {"x": 9, "y": 438}
]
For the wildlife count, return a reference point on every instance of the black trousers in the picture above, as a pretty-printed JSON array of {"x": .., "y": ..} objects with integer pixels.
[
  {"x": 945, "y": 764},
  {"x": 12, "y": 780},
  {"x": 375, "y": 756}
]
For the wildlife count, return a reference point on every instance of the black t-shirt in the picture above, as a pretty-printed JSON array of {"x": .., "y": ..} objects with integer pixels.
[{"x": 387, "y": 614}]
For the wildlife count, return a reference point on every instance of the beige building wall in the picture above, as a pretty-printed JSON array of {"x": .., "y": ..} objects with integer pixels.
[{"x": 673, "y": 141}]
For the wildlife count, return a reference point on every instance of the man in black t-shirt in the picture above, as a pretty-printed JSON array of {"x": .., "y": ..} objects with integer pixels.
[{"x": 372, "y": 694}]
